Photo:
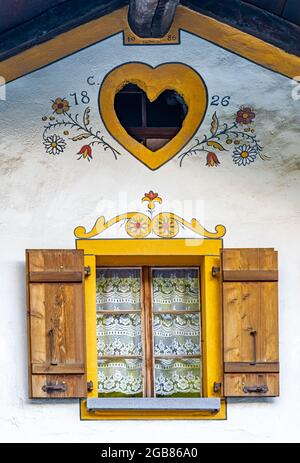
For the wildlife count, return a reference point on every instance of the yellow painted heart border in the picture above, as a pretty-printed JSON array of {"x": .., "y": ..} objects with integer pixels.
[{"x": 169, "y": 76}]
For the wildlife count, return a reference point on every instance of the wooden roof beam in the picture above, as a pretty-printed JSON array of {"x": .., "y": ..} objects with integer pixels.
[{"x": 151, "y": 18}]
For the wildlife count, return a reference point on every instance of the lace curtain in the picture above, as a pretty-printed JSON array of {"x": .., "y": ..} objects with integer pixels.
[
  {"x": 177, "y": 378},
  {"x": 176, "y": 334},
  {"x": 175, "y": 289},
  {"x": 120, "y": 377},
  {"x": 119, "y": 335},
  {"x": 118, "y": 289}
]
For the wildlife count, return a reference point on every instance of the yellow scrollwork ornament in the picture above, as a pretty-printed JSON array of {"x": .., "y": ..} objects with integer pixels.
[{"x": 139, "y": 225}]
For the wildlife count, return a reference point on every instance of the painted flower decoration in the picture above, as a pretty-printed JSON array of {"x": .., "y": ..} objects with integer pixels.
[
  {"x": 212, "y": 160},
  {"x": 54, "y": 144},
  {"x": 151, "y": 198},
  {"x": 138, "y": 226},
  {"x": 164, "y": 225},
  {"x": 245, "y": 115},
  {"x": 243, "y": 155},
  {"x": 60, "y": 105},
  {"x": 85, "y": 152}
]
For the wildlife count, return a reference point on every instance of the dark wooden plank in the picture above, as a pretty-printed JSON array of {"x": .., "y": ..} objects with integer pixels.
[
  {"x": 147, "y": 327},
  {"x": 250, "y": 275},
  {"x": 48, "y": 369},
  {"x": 55, "y": 277},
  {"x": 274, "y": 6},
  {"x": 153, "y": 132},
  {"x": 243, "y": 367},
  {"x": 15, "y": 12},
  {"x": 151, "y": 18},
  {"x": 291, "y": 11},
  {"x": 252, "y": 20},
  {"x": 46, "y": 26}
]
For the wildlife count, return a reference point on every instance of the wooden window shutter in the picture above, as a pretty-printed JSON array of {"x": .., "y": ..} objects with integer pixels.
[
  {"x": 56, "y": 327},
  {"x": 250, "y": 322}
]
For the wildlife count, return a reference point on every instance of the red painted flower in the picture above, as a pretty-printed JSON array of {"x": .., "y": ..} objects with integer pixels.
[
  {"x": 151, "y": 198},
  {"x": 245, "y": 115},
  {"x": 85, "y": 152},
  {"x": 212, "y": 160},
  {"x": 60, "y": 106},
  {"x": 151, "y": 195}
]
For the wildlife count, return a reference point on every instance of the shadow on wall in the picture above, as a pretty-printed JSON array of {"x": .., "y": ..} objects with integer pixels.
[{"x": 251, "y": 400}]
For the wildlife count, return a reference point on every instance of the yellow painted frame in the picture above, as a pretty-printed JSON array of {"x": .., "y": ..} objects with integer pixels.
[
  {"x": 166, "y": 252},
  {"x": 154, "y": 81}
]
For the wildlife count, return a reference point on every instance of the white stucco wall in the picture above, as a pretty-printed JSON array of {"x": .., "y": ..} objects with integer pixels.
[{"x": 44, "y": 197}]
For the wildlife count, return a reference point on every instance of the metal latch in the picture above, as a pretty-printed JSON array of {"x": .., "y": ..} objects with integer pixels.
[
  {"x": 50, "y": 387},
  {"x": 258, "y": 389},
  {"x": 253, "y": 333}
]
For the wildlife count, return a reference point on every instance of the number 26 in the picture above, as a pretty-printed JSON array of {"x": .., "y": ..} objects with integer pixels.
[{"x": 216, "y": 100}]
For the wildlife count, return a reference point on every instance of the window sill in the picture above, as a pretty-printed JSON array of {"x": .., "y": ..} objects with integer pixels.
[{"x": 203, "y": 404}]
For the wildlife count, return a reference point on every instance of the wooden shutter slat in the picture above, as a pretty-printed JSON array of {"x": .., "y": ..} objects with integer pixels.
[
  {"x": 243, "y": 367},
  {"x": 48, "y": 369},
  {"x": 244, "y": 385},
  {"x": 249, "y": 259},
  {"x": 250, "y": 275},
  {"x": 250, "y": 318},
  {"x": 49, "y": 277},
  {"x": 73, "y": 384},
  {"x": 56, "y": 323}
]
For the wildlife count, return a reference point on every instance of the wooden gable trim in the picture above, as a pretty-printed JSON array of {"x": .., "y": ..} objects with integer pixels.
[{"x": 223, "y": 35}]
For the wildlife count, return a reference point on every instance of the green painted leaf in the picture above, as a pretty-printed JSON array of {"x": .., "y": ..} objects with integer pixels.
[
  {"x": 81, "y": 136},
  {"x": 216, "y": 145},
  {"x": 86, "y": 116},
  {"x": 214, "y": 124}
]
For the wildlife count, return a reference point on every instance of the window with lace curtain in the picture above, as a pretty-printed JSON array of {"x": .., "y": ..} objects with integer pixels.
[{"x": 149, "y": 332}]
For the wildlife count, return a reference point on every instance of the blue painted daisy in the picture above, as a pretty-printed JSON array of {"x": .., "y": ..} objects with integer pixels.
[{"x": 244, "y": 154}]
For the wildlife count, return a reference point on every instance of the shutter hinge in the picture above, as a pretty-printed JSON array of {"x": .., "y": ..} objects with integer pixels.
[
  {"x": 215, "y": 271},
  {"x": 90, "y": 386},
  {"x": 87, "y": 271},
  {"x": 217, "y": 387}
]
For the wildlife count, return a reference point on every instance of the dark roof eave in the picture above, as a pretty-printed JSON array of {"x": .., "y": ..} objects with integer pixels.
[
  {"x": 61, "y": 18},
  {"x": 252, "y": 20},
  {"x": 70, "y": 14}
]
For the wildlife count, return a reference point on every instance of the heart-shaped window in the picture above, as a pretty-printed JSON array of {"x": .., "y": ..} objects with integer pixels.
[
  {"x": 153, "y": 112},
  {"x": 152, "y": 124}
]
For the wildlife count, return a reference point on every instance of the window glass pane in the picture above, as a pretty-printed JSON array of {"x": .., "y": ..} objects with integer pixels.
[
  {"x": 178, "y": 378},
  {"x": 128, "y": 107},
  {"x": 118, "y": 289},
  {"x": 176, "y": 334},
  {"x": 119, "y": 334},
  {"x": 175, "y": 289},
  {"x": 120, "y": 378},
  {"x": 168, "y": 110}
]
